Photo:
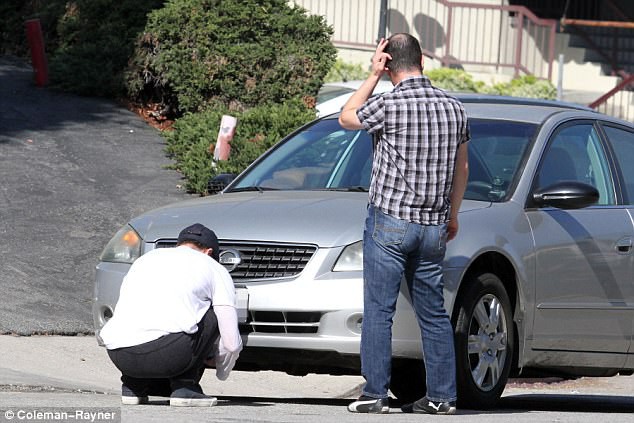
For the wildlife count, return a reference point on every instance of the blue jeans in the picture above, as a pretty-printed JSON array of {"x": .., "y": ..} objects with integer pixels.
[{"x": 393, "y": 248}]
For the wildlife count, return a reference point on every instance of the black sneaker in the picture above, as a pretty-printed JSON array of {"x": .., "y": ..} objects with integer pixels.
[
  {"x": 367, "y": 404},
  {"x": 133, "y": 397},
  {"x": 426, "y": 406}
]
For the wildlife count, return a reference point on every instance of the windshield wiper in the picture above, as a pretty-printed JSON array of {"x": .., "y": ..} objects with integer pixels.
[
  {"x": 356, "y": 188},
  {"x": 252, "y": 188}
]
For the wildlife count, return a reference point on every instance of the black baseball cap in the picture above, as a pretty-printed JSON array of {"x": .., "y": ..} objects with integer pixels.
[{"x": 202, "y": 235}]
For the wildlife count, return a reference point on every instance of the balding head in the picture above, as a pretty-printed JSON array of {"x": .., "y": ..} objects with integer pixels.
[{"x": 406, "y": 53}]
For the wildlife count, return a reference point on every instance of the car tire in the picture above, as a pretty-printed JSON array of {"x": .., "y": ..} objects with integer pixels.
[
  {"x": 484, "y": 339},
  {"x": 408, "y": 382}
]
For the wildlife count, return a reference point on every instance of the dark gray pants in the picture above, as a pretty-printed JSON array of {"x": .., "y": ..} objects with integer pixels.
[{"x": 174, "y": 361}]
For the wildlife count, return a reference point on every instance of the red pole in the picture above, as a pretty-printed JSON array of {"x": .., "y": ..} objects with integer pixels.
[{"x": 38, "y": 56}]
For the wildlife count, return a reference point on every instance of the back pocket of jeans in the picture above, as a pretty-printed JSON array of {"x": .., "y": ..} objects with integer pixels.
[{"x": 388, "y": 230}]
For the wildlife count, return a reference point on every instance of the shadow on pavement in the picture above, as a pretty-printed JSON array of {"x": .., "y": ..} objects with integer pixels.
[
  {"x": 507, "y": 405},
  {"x": 577, "y": 403}
]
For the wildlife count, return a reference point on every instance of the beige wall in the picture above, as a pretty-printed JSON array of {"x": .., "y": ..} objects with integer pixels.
[{"x": 477, "y": 36}]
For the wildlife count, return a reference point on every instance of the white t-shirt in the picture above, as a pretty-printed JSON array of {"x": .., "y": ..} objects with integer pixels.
[{"x": 167, "y": 290}]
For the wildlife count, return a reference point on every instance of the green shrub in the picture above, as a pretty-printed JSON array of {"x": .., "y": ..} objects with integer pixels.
[
  {"x": 454, "y": 80},
  {"x": 240, "y": 53},
  {"x": 96, "y": 40},
  {"x": 343, "y": 71},
  {"x": 527, "y": 86},
  {"x": 14, "y": 14},
  {"x": 524, "y": 86},
  {"x": 192, "y": 141}
]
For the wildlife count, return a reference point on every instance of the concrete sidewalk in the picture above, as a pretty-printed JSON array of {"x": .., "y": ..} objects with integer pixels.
[
  {"x": 74, "y": 373},
  {"x": 77, "y": 363}
]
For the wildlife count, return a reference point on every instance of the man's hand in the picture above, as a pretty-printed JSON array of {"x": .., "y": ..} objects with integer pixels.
[
  {"x": 380, "y": 58},
  {"x": 348, "y": 117},
  {"x": 452, "y": 229},
  {"x": 460, "y": 177}
]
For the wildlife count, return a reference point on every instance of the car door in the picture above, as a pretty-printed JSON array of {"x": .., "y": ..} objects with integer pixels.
[
  {"x": 583, "y": 275},
  {"x": 621, "y": 140}
]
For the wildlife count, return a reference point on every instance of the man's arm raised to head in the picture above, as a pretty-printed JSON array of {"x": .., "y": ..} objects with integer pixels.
[{"x": 348, "y": 117}]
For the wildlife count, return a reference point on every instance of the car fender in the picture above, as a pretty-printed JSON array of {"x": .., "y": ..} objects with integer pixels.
[{"x": 483, "y": 239}]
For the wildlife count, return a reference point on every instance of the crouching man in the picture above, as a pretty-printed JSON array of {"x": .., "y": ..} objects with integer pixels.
[{"x": 175, "y": 316}]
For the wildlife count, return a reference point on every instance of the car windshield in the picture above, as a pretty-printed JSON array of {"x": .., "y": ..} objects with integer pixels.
[{"x": 323, "y": 156}]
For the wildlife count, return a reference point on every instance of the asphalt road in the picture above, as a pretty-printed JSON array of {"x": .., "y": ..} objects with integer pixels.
[
  {"x": 72, "y": 373},
  {"x": 72, "y": 171}
]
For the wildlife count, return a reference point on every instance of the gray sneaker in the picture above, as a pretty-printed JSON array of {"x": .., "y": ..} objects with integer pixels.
[
  {"x": 426, "y": 406},
  {"x": 184, "y": 397}
]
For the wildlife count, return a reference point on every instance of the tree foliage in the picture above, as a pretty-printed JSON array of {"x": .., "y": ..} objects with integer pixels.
[
  {"x": 96, "y": 40},
  {"x": 239, "y": 53},
  {"x": 191, "y": 143}
]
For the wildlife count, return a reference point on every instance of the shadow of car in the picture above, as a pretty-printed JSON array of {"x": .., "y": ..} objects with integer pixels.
[{"x": 537, "y": 282}]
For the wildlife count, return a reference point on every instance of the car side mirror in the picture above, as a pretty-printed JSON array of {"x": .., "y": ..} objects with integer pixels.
[
  {"x": 219, "y": 182},
  {"x": 566, "y": 195}
]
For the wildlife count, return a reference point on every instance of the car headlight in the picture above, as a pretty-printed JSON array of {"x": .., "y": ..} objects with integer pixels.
[
  {"x": 124, "y": 247},
  {"x": 351, "y": 259}
]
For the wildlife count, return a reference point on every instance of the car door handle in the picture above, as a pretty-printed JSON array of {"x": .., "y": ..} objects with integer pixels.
[{"x": 624, "y": 245}]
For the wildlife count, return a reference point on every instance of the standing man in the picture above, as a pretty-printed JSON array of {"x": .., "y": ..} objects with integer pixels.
[
  {"x": 175, "y": 316},
  {"x": 419, "y": 174}
]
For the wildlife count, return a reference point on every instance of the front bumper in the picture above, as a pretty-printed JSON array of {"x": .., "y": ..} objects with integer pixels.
[{"x": 318, "y": 311}]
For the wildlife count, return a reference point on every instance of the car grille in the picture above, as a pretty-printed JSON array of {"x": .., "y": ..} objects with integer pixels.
[
  {"x": 262, "y": 261},
  {"x": 281, "y": 322}
]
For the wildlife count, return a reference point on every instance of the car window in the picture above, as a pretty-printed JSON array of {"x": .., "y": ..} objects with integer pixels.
[
  {"x": 325, "y": 156},
  {"x": 622, "y": 142},
  {"x": 496, "y": 151},
  {"x": 321, "y": 156},
  {"x": 575, "y": 154}
]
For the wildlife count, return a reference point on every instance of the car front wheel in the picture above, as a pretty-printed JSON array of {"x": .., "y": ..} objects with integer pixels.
[{"x": 484, "y": 341}]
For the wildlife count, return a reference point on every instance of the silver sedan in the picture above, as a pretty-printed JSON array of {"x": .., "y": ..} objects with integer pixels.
[{"x": 539, "y": 281}]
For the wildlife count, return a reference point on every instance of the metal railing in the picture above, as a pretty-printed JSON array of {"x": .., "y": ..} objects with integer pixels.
[
  {"x": 488, "y": 38},
  {"x": 609, "y": 26},
  {"x": 484, "y": 36},
  {"x": 619, "y": 101}
]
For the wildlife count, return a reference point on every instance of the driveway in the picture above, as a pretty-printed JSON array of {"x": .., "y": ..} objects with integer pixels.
[{"x": 72, "y": 171}]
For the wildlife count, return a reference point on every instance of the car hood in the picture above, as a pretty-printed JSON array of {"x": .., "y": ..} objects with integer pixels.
[{"x": 323, "y": 218}]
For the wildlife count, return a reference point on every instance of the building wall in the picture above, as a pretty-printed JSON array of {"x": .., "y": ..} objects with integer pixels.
[
  {"x": 478, "y": 36},
  {"x": 484, "y": 42},
  {"x": 473, "y": 35}
]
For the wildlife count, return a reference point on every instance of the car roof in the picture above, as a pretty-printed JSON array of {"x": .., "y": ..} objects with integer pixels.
[
  {"x": 532, "y": 110},
  {"x": 385, "y": 85}
]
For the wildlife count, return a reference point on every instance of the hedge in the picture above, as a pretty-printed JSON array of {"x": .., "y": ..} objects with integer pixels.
[
  {"x": 191, "y": 143},
  {"x": 196, "y": 54},
  {"x": 96, "y": 41}
]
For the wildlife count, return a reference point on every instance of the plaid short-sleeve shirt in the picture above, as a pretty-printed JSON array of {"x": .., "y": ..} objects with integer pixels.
[{"x": 417, "y": 129}]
